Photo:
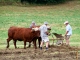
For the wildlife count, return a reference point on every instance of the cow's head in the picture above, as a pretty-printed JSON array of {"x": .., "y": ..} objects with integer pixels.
[
  {"x": 35, "y": 28},
  {"x": 35, "y": 31}
]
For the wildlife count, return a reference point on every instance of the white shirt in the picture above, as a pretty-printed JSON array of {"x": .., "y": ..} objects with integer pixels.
[
  {"x": 69, "y": 29},
  {"x": 43, "y": 29}
]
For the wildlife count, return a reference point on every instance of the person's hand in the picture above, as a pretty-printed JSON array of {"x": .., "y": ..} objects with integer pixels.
[
  {"x": 47, "y": 33},
  {"x": 65, "y": 34}
]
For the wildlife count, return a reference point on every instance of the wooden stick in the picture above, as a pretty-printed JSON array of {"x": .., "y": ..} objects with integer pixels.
[{"x": 77, "y": 54}]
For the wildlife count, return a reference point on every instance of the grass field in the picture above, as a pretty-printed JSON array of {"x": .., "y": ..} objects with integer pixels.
[{"x": 56, "y": 15}]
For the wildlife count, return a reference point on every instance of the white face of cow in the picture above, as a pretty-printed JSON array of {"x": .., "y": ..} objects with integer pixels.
[
  {"x": 35, "y": 28},
  {"x": 36, "y": 31}
]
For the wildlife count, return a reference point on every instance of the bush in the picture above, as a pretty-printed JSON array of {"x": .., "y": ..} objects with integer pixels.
[
  {"x": 46, "y": 1},
  {"x": 33, "y": 1}
]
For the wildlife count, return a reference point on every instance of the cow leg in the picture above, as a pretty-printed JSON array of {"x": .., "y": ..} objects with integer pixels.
[
  {"x": 29, "y": 44},
  {"x": 34, "y": 42},
  {"x": 15, "y": 44},
  {"x": 39, "y": 41},
  {"x": 24, "y": 44},
  {"x": 8, "y": 40}
]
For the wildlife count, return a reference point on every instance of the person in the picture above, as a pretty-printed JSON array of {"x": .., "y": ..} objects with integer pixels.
[
  {"x": 44, "y": 35},
  {"x": 68, "y": 32},
  {"x": 33, "y": 24}
]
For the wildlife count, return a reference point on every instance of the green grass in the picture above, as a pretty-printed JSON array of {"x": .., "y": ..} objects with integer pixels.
[{"x": 56, "y": 15}]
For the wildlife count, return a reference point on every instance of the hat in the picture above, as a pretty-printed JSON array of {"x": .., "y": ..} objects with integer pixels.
[
  {"x": 45, "y": 23},
  {"x": 33, "y": 22},
  {"x": 66, "y": 22}
]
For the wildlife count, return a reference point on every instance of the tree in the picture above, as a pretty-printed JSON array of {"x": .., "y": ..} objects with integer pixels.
[{"x": 45, "y": 1}]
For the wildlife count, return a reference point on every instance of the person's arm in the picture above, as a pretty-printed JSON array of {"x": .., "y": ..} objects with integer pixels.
[
  {"x": 67, "y": 30},
  {"x": 66, "y": 33}
]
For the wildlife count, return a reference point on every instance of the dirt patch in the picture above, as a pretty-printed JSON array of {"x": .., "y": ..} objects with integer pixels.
[{"x": 54, "y": 53}]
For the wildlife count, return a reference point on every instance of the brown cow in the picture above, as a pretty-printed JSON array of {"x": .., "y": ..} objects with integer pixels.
[
  {"x": 39, "y": 38},
  {"x": 22, "y": 34}
]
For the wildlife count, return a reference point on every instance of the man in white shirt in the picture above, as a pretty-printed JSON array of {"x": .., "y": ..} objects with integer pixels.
[
  {"x": 44, "y": 35},
  {"x": 68, "y": 32}
]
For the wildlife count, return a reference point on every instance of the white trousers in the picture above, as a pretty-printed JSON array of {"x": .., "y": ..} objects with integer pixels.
[{"x": 45, "y": 39}]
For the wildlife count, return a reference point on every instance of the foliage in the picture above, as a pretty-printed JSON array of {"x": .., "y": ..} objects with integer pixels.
[
  {"x": 45, "y": 1},
  {"x": 33, "y": 1}
]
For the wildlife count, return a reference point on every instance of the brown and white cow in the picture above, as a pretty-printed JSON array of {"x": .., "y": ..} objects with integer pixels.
[{"x": 22, "y": 34}]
